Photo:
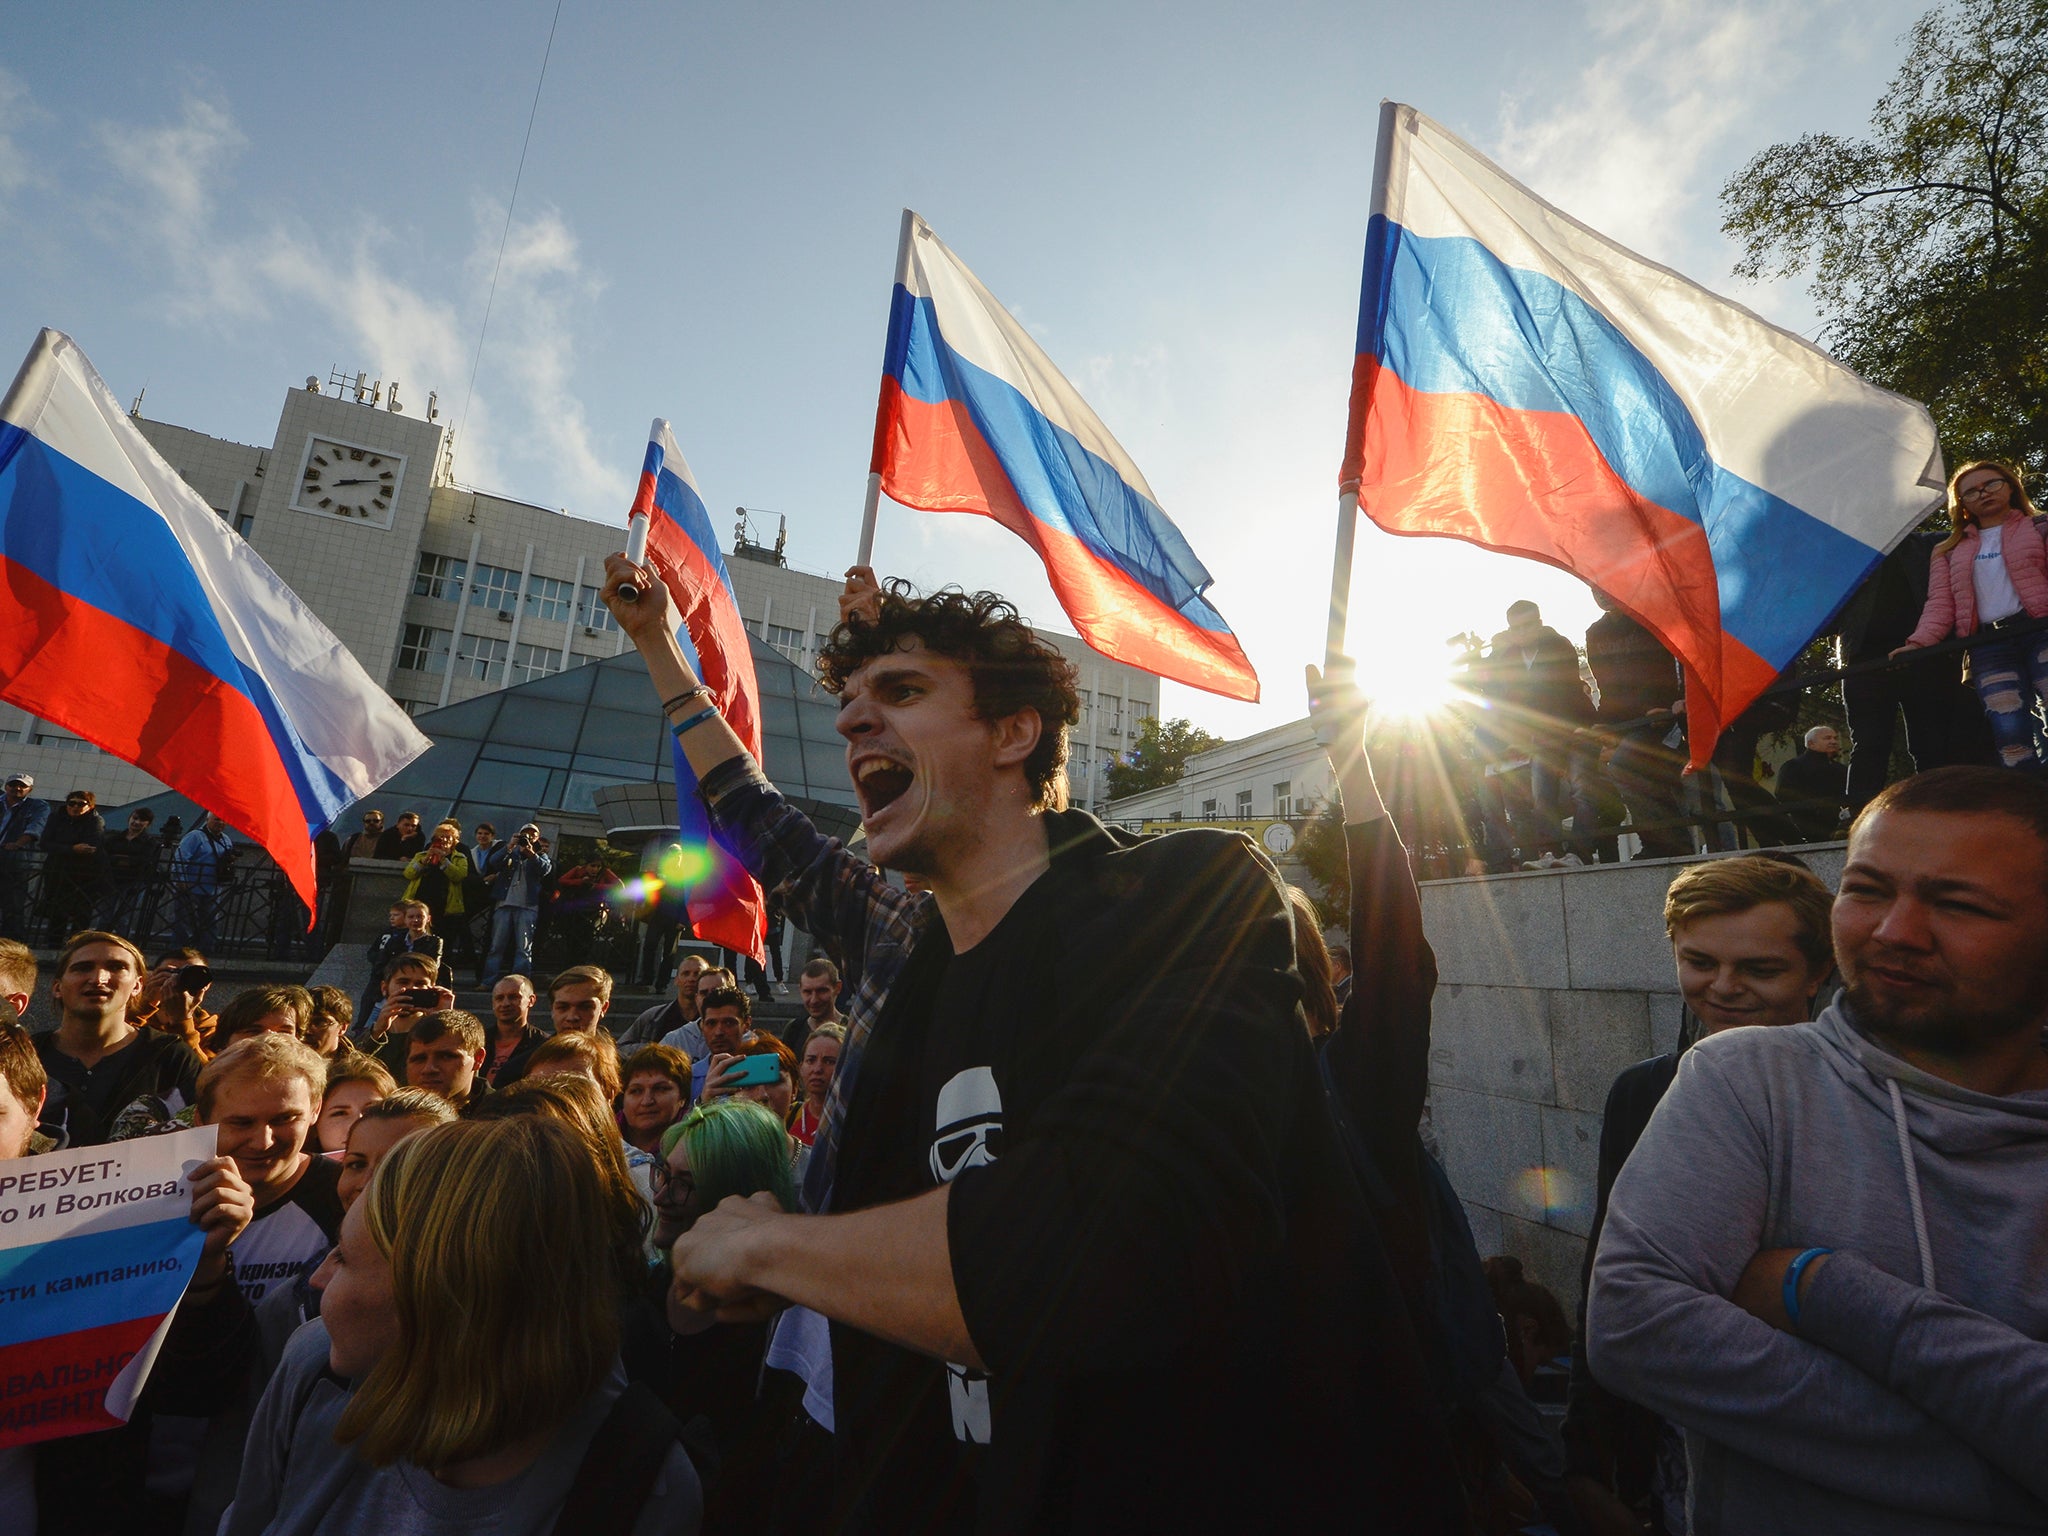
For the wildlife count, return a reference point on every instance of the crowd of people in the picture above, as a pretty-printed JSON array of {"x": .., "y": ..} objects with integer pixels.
[
  {"x": 1556, "y": 751},
  {"x": 1104, "y": 1205}
]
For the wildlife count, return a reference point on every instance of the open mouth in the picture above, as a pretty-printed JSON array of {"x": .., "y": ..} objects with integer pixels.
[{"x": 880, "y": 785}]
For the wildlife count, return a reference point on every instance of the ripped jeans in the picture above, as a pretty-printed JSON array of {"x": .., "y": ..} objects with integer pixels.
[{"x": 2009, "y": 676}]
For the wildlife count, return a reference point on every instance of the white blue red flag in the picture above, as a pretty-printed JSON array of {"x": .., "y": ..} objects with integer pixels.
[
  {"x": 974, "y": 418},
  {"x": 131, "y": 614},
  {"x": 724, "y": 902},
  {"x": 97, "y": 1247},
  {"x": 1524, "y": 383}
]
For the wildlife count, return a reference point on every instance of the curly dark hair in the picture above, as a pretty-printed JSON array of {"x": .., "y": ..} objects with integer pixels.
[{"x": 1011, "y": 668}]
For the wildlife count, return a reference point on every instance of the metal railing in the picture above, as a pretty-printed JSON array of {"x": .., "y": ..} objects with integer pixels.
[{"x": 255, "y": 913}]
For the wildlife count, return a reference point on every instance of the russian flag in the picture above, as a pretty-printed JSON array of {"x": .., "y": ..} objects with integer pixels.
[
  {"x": 974, "y": 418},
  {"x": 725, "y": 904},
  {"x": 97, "y": 1247},
  {"x": 131, "y": 614},
  {"x": 1526, "y": 384}
]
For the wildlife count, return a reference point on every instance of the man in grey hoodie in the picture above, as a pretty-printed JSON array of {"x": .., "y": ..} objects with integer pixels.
[{"x": 1827, "y": 1258}]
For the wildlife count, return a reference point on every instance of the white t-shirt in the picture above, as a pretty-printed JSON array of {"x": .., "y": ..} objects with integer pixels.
[{"x": 1996, "y": 598}]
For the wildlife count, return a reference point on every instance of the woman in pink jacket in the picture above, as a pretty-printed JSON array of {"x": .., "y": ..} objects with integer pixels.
[{"x": 1989, "y": 574}]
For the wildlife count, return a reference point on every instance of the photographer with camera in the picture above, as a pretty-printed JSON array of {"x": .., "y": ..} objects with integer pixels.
[
  {"x": 171, "y": 1000},
  {"x": 513, "y": 876}
]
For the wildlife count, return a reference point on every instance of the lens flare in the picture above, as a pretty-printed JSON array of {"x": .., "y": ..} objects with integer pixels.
[
  {"x": 684, "y": 864},
  {"x": 1556, "y": 1192}
]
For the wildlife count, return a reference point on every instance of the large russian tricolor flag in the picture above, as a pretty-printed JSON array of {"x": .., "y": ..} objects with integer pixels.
[
  {"x": 131, "y": 614},
  {"x": 96, "y": 1249},
  {"x": 1524, "y": 383},
  {"x": 725, "y": 904},
  {"x": 974, "y": 418}
]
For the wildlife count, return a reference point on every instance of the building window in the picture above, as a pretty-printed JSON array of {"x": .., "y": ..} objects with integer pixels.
[
  {"x": 475, "y": 657},
  {"x": 1141, "y": 711},
  {"x": 421, "y": 649},
  {"x": 531, "y": 661},
  {"x": 1244, "y": 805},
  {"x": 1209, "y": 810},
  {"x": 439, "y": 576},
  {"x": 547, "y": 598},
  {"x": 66, "y": 743},
  {"x": 1116, "y": 716},
  {"x": 591, "y": 612},
  {"x": 244, "y": 523},
  {"x": 494, "y": 587},
  {"x": 1283, "y": 798}
]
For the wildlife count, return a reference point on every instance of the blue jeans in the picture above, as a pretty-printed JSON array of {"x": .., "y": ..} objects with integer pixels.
[
  {"x": 511, "y": 942},
  {"x": 193, "y": 925},
  {"x": 2010, "y": 676}
]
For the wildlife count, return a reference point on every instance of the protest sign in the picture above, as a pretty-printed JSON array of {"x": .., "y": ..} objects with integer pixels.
[{"x": 96, "y": 1248}]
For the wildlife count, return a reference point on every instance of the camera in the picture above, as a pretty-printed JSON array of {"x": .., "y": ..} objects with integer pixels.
[{"x": 194, "y": 979}]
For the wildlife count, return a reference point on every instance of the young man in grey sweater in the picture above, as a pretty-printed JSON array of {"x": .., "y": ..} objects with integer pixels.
[{"x": 1827, "y": 1258}]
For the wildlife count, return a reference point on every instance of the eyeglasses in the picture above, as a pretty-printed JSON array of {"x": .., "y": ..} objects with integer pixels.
[
  {"x": 76, "y": 800},
  {"x": 661, "y": 1176},
  {"x": 1981, "y": 488}
]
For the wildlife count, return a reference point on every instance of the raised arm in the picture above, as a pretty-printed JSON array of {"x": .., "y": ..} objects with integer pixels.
[
  {"x": 1379, "y": 1056},
  {"x": 831, "y": 894}
]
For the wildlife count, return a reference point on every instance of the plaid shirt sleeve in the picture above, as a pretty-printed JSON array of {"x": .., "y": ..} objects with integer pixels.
[{"x": 836, "y": 898}]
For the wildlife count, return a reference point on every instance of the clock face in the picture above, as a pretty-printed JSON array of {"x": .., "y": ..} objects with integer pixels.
[{"x": 348, "y": 481}]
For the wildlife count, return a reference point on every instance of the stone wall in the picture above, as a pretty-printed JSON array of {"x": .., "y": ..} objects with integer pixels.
[{"x": 1551, "y": 983}]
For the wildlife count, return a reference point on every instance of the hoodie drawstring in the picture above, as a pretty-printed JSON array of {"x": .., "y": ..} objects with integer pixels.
[{"x": 1912, "y": 1185}]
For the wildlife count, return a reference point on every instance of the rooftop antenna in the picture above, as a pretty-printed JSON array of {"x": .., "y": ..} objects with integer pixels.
[
  {"x": 391, "y": 400},
  {"x": 361, "y": 388},
  {"x": 433, "y": 405},
  {"x": 312, "y": 384},
  {"x": 782, "y": 535},
  {"x": 136, "y": 408}
]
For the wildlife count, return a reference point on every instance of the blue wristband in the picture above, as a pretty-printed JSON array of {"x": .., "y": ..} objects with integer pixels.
[
  {"x": 1792, "y": 1273},
  {"x": 706, "y": 713}
]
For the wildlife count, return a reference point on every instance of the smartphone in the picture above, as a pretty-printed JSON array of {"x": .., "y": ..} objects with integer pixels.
[
  {"x": 194, "y": 979},
  {"x": 421, "y": 997},
  {"x": 752, "y": 1072}
]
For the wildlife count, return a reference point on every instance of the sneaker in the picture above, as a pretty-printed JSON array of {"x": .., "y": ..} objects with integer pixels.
[{"x": 1548, "y": 861}]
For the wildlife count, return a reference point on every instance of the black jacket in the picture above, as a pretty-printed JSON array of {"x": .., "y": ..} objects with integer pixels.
[
  {"x": 1169, "y": 1269},
  {"x": 1635, "y": 673}
]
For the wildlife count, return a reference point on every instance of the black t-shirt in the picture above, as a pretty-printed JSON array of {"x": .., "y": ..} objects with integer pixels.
[
  {"x": 1187, "y": 1320},
  {"x": 83, "y": 1101},
  {"x": 290, "y": 1237},
  {"x": 936, "y": 1110}
]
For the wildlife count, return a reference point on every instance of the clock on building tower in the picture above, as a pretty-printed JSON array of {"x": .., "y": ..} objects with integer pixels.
[{"x": 347, "y": 480}]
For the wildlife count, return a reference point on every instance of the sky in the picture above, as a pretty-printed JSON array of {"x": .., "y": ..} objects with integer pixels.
[{"x": 218, "y": 200}]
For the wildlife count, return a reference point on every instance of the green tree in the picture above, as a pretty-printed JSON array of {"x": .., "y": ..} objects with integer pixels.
[
  {"x": 1163, "y": 748},
  {"x": 1926, "y": 242},
  {"x": 1323, "y": 852}
]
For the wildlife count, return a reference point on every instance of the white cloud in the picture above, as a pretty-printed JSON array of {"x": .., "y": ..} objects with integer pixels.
[
  {"x": 221, "y": 263},
  {"x": 1625, "y": 146},
  {"x": 530, "y": 355}
]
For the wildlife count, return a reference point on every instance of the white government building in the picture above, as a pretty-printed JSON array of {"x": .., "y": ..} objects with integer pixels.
[{"x": 444, "y": 592}]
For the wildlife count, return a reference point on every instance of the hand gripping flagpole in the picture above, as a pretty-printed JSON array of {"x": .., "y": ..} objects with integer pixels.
[
  {"x": 1347, "y": 500},
  {"x": 874, "y": 501},
  {"x": 636, "y": 532}
]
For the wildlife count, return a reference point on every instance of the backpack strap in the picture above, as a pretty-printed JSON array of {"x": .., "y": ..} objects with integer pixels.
[{"x": 620, "y": 1466}]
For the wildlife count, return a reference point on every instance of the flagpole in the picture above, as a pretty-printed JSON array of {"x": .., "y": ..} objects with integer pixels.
[
  {"x": 1347, "y": 500},
  {"x": 1340, "y": 576},
  {"x": 874, "y": 500}
]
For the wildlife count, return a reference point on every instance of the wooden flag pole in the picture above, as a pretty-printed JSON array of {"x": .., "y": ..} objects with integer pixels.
[{"x": 874, "y": 500}]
